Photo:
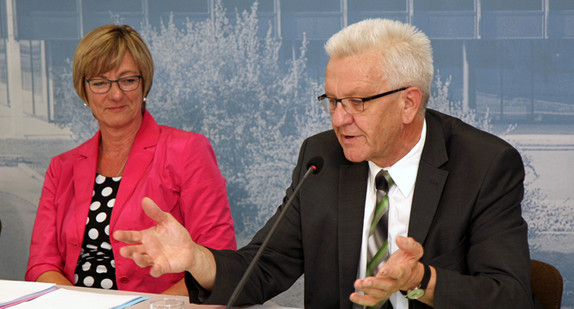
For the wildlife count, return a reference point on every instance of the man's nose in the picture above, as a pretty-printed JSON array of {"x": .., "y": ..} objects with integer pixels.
[{"x": 340, "y": 116}]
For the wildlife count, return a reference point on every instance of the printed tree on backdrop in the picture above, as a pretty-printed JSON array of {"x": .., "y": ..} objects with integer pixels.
[
  {"x": 221, "y": 79},
  {"x": 69, "y": 107}
]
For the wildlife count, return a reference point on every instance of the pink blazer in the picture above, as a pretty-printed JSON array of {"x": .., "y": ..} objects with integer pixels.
[{"x": 177, "y": 169}]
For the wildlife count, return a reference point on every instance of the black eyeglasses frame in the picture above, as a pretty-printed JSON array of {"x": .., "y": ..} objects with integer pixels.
[{"x": 324, "y": 96}]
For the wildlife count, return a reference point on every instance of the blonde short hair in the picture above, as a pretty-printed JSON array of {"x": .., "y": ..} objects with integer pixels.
[
  {"x": 406, "y": 53},
  {"x": 103, "y": 49}
]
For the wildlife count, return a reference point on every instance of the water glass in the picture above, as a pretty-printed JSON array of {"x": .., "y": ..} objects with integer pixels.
[{"x": 167, "y": 303}]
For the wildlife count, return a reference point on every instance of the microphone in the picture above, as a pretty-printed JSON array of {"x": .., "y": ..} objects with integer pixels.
[{"x": 313, "y": 167}]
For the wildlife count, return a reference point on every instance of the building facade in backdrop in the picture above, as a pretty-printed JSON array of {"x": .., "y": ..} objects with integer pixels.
[{"x": 510, "y": 57}]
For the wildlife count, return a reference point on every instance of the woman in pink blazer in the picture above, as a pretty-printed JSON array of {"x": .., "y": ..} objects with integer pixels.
[{"x": 98, "y": 187}]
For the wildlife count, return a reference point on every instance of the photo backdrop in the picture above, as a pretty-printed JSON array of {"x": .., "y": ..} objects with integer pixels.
[{"x": 246, "y": 75}]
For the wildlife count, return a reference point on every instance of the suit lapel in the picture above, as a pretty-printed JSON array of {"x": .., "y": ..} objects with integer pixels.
[
  {"x": 428, "y": 188},
  {"x": 430, "y": 181},
  {"x": 352, "y": 190}
]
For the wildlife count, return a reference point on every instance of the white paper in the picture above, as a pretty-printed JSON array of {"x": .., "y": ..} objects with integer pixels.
[
  {"x": 12, "y": 291},
  {"x": 73, "y": 299}
]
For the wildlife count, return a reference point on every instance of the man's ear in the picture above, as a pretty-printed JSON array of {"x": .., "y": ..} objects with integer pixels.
[{"x": 412, "y": 97}]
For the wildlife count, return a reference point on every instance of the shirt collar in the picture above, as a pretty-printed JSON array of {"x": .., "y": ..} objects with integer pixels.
[{"x": 404, "y": 172}]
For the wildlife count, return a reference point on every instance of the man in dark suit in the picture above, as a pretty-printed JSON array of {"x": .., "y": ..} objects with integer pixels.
[{"x": 455, "y": 235}]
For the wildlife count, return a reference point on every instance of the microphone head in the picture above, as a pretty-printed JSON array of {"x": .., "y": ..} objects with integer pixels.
[{"x": 316, "y": 163}]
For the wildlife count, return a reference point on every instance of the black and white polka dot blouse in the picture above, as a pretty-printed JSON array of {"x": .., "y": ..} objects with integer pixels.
[{"x": 96, "y": 266}]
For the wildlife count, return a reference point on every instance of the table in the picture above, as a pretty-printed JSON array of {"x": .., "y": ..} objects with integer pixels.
[{"x": 146, "y": 304}]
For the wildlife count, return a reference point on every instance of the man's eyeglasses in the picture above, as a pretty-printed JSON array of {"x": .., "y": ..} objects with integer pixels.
[
  {"x": 352, "y": 105},
  {"x": 103, "y": 85}
]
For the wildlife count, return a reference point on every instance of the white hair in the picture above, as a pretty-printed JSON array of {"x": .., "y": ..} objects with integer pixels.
[{"x": 406, "y": 53}]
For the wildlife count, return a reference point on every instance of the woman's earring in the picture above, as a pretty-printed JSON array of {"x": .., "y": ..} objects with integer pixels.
[
  {"x": 85, "y": 104},
  {"x": 144, "y": 100}
]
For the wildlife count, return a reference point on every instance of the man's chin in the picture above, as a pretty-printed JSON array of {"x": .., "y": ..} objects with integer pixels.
[{"x": 354, "y": 157}]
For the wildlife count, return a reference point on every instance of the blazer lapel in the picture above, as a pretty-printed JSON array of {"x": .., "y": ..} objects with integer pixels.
[
  {"x": 84, "y": 177},
  {"x": 430, "y": 181},
  {"x": 140, "y": 158},
  {"x": 351, "y": 197}
]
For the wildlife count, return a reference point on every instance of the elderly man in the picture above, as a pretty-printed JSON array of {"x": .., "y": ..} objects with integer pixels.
[{"x": 412, "y": 208}]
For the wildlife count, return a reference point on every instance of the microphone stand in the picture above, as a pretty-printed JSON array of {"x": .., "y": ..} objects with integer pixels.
[{"x": 239, "y": 287}]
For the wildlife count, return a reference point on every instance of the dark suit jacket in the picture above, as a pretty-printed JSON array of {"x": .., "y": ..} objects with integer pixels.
[{"x": 465, "y": 212}]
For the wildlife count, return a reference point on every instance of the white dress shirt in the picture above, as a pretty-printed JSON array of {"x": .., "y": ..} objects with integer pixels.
[{"x": 404, "y": 174}]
